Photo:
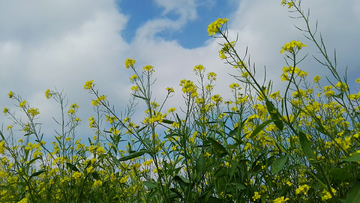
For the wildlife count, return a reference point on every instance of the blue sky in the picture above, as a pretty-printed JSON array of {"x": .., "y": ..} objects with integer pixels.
[
  {"x": 193, "y": 34},
  {"x": 63, "y": 43}
]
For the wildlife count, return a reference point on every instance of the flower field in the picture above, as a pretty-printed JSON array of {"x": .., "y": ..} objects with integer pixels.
[{"x": 297, "y": 145}]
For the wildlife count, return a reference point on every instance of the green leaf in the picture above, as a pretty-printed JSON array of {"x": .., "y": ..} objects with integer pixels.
[
  {"x": 352, "y": 158},
  {"x": 167, "y": 121},
  {"x": 237, "y": 130},
  {"x": 140, "y": 97},
  {"x": 260, "y": 128},
  {"x": 32, "y": 161},
  {"x": 353, "y": 196},
  {"x": 306, "y": 147},
  {"x": 215, "y": 200},
  {"x": 72, "y": 167},
  {"x": 200, "y": 163},
  {"x": 37, "y": 173},
  {"x": 95, "y": 175},
  {"x": 141, "y": 129},
  {"x": 340, "y": 174},
  {"x": 134, "y": 155},
  {"x": 150, "y": 185},
  {"x": 278, "y": 164},
  {"x": 176, "y": 192},
  {"x": 240, "y": 186},
  {"x": 274, "y": 113},
  {"x": 220, "y": 150},
  {"x": 181, "y": 180},
  {"x": 151, "y": 195}
]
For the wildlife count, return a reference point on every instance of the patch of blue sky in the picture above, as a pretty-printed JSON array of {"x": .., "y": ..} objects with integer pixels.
[{"x": 192, "y": 35}]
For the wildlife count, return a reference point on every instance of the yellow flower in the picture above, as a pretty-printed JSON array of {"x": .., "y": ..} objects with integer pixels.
[
  {"x": 198, "y": 68},
  {"x": 256, "y": 196},
  {"x": 89, "y": 84},
  {"x": 22, "y": 104},
  {"x": 74, "y": 106},
  {"x": 48, "y": 94},
  {"x": 102, "y": 98},
  {"x": 100, "y": 150},
  {"x": 124, "y": 179},
  {"x": 2, "y": 148},
  {"x": 33, "y": 112},
  {"x": 217, "y": 98},
  {"x": 343, "y": 86},
  {"x": 302, "y": 189},
  {"x": 97, "y": 183},
  {"x": 133, "y": 78},
  {"x": 316, "y": 79},
  {"x": 280, "y": 200},
  {"x": 6, "y": 110},
  {"x": 92, "y": 123},
  {"x": 129, "y": 62},
  {"x": 170, "y": 90},
  {"x": 211, "y": 76},
  {"x": 135, "y": 88},
  {"x": 171, "y": 110},
  {"x": 149, "y": 68},
  {"x": 11, "y": 94},
  {"x": 214, "y": 27},
  {"x": 76, "y": 175},
  {"x": 9, "y": 127},
  {"x": 23, "y": 200},
  {"x": 291, "y": 45}
]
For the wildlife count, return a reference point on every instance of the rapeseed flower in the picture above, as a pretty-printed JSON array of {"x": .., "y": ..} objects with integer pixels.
[
  {"x": 281, "y": 200},
  {"x": 129, "y": 63},
  {"x": 89, "y": 84},
  {"x": 2, "y": 148},
  {"x": 215, "y": 26},
  {"x": 291, "y": 45},
  {"x": 22, "y": 104},
  {"x": 48, "y": 94}
]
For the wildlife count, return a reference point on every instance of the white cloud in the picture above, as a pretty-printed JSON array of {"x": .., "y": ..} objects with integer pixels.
[
  {"x": 65, "y": 43},
  {"x": 186, "y": 9}
]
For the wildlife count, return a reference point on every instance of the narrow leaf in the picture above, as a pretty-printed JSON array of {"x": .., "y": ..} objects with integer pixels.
[
  {"x": 149, "y": 184},
  {"x": 260, "y": 128},
  {"x": 200, "y": 163},
  {"x": 133, "y": 155},
  {"x": 274, "y": 113},
  {"x": 37, "y": 173},
  {"x": 140, "y": 97},
  {"x": 95, "y": 175},
  {"x": 278, "y": 164},
  {"x": 353, "y": 196},
  {"x": 340, "y": 174},
  {"x": 221, "y": 151},
  {"x": 72, "y": 167},
  {"x": 151, "y": 195},
  {"x": 32, "y": 161},
  {"x": 181, "y": 180},
  {"x": 239, "y": 186},
  {"x": 306, "y": 147},
  {"x": 352, "y": 158},
  {"x": 167, "y": 121}
]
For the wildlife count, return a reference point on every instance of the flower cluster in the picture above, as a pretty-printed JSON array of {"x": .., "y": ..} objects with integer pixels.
[
  {"x": 215, "y": 26},
  {"x": 290, "y": 47}
]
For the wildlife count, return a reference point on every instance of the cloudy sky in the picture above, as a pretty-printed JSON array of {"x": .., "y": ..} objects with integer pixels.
[{"x": 63, "y": 43}]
